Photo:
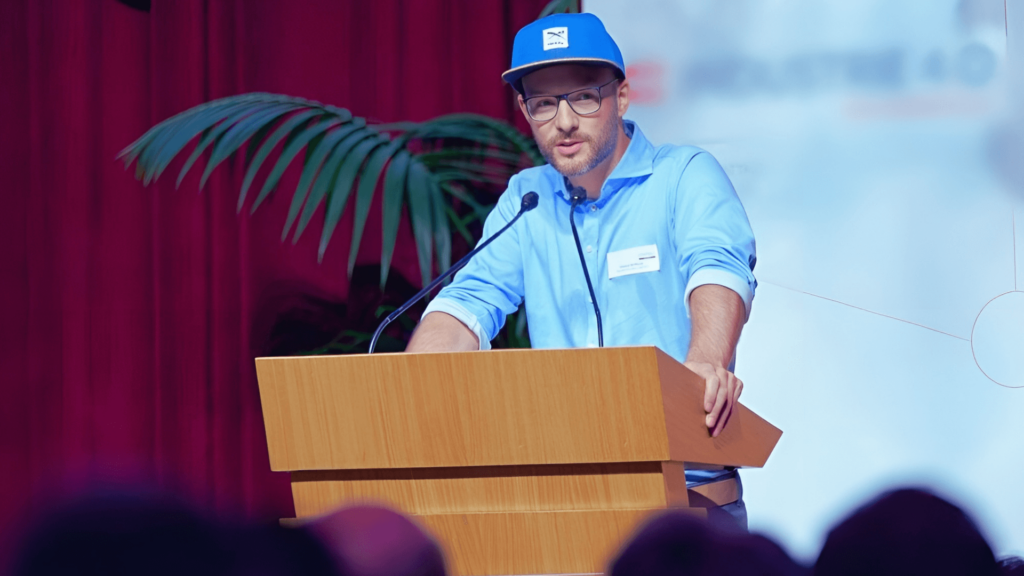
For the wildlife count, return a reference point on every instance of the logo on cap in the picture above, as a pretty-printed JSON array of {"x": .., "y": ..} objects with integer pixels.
[{"x": 556, "y": 37}]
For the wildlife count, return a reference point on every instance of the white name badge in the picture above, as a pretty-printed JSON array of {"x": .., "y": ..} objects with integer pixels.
[{"x": 633, "y": 261}]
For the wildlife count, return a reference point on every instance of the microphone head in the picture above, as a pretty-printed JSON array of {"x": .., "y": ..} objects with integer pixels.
[
  {"x": 577, "y": 193},
  {"x": 530, "y": 200}
]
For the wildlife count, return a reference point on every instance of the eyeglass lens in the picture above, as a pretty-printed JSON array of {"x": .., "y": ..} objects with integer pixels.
[{"x": 543, "y": 108}]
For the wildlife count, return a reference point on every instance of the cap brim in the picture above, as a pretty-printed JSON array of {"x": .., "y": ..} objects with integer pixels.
[{"x": 513, "y": 75}]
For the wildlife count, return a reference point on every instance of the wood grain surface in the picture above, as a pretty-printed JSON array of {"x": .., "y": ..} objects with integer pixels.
[
  {"x": 578, "y": 542},
  {"x": 495, "y": 408},
  {"x": 747, "y": 439},
  {"x": 495, "y": 489}
]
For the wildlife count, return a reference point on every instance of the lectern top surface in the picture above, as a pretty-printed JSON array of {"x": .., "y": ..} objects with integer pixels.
[{"x": 508, "y": 407}]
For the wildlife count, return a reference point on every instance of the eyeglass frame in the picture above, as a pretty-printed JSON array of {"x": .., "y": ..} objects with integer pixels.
[{"x": 559, "y": 97}]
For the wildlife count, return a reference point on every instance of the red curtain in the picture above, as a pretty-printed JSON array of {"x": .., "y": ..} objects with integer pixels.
[{"x": 126, "y": 312}]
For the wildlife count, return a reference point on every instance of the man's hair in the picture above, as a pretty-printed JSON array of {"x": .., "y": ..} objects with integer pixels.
[{"x": 518, "y": 84}]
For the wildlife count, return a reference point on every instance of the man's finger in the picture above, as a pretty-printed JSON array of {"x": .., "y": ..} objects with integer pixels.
[
  {"x": 721, "y": 400},
  {"x": 732, "y": 410},
  {"x": 723, "y": 374},
  {"x": 735, "y": 386},
  {"x": 711, "y": 388},
  {"x": 723, "y": 419}
]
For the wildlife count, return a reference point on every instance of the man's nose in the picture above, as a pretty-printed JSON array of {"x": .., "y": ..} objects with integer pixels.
[{"x": 565, "y": 119}]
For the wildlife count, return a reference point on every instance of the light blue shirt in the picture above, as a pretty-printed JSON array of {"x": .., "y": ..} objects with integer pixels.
[{"x": 676, "y": 198}]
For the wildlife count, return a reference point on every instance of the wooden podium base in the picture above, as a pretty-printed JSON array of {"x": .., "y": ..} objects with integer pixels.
[
  {"x": 504, "y": 520},
  {"x": 567, "y": 542}
]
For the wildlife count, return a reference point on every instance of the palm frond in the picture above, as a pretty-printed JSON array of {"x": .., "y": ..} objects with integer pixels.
[
  {"x": 347, "y": 175},
  {"x": 424, "y": 166},
  {"x": 558, "y": 6},
  {"x": 394, "y": 195},
  {"x": 455, "y": 190},
  {"x": 292, "y": 125},
  {"x": 314, "y": 162},
  {"x": 364, "y": 195},
  {"x": 422, "y": 218}
]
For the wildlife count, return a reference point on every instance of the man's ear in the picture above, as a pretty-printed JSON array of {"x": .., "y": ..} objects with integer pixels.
[
  {"x": 522, "y": 106},
  {"x": 623, "y": 97}
]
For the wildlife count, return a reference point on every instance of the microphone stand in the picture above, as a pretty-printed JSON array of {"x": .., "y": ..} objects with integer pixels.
[
  {"x": 578, "y": 196},
  {"x": 529, "y": 202}
]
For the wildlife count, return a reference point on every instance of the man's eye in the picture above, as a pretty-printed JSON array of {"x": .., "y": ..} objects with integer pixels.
[{"x": 544, "y": 102}]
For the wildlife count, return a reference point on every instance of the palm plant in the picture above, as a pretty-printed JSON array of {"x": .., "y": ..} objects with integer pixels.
[{"x": 427, "y": 165}]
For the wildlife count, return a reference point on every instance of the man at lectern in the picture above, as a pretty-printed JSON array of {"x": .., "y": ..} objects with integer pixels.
[{"x": 657, "y": 234}]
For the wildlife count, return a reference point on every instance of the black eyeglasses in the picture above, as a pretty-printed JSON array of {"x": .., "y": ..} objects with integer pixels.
[{"x": 583, "y": 102}]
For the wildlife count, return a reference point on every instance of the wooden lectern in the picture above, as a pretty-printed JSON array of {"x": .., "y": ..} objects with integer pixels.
[{"x": 519, "y": 461}]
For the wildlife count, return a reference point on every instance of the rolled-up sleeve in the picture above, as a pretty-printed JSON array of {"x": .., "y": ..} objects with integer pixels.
[
  {"x": 714, "y": 242},
  {"x": 490, "y": 287}
]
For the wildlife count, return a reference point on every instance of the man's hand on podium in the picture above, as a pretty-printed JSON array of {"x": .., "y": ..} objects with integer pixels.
[
  {"x": 721, "y": 391},
  {"x": 717, "y": 315}
]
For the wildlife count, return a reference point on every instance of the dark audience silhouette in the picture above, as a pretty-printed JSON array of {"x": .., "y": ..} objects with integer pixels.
[
  {"x": 134, "y": 534},
  {"x": 676, "y": 543},
  {"x": 1012, "y": 566},
  {"x": 375, "y": 541},
  {"x": 906, "y": 532}
]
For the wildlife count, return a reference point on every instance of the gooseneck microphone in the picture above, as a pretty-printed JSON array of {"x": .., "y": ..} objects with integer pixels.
[
  {"x": 529, "y": 202},
  {"x": 578, "y": 196}
]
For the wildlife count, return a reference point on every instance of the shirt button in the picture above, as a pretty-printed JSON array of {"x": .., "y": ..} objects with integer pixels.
[
  {"x": 593, "y": 207},
  {"x": 590, "y": 249}
]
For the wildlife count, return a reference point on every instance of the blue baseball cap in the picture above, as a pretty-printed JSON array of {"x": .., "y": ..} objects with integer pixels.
[{"x": 562, "y": 39}]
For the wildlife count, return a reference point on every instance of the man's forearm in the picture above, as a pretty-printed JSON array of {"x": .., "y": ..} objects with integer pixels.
[
  {"x": 440, "y": 332},
  {"x": 716, "y": 319}
]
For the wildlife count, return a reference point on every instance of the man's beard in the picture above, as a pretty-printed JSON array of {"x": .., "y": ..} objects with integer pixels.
[{"x": 600, "y": 149}]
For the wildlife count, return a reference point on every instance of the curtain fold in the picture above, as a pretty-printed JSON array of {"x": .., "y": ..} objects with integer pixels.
[{"x": 127, "y": 312}]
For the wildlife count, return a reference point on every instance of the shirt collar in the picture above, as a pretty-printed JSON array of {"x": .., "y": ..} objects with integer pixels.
[{"x": 637, "y": 162}]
